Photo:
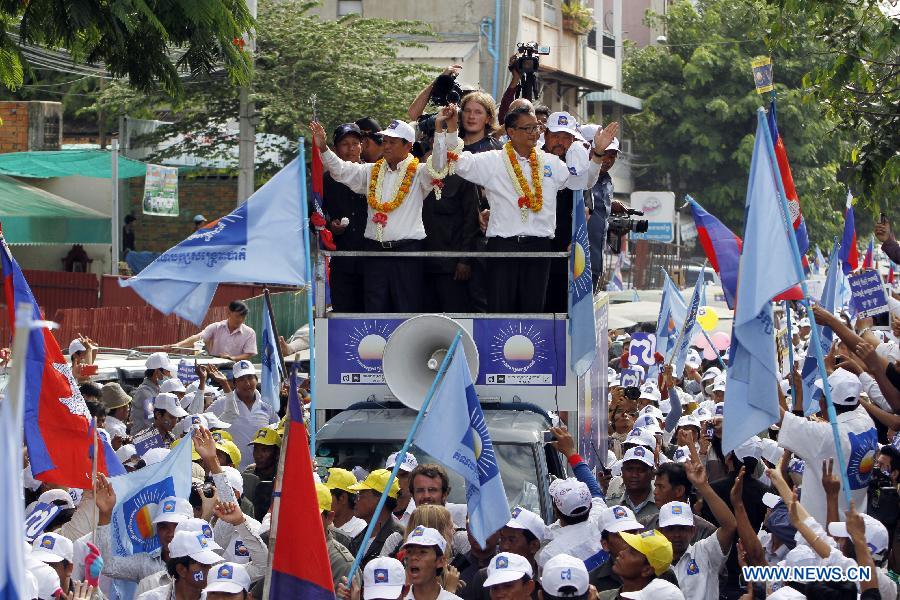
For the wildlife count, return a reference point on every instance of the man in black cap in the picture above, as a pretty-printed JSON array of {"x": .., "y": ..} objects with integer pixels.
[
  {"x": 347, "y": 212},
  {"x": 371, "y": 139}
]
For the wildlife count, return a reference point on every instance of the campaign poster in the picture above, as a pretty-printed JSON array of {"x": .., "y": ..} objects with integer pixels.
[
  {"x": 521, "y": 351},
  {"x": 355, "y": 350},
  {"x": 161, "y": 191}
]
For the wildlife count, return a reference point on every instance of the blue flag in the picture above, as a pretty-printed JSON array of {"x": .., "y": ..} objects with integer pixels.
[
  {"x": 272, "y": 369},
  {"x": 820, "y": 261},
  {"x": 12, "y": 559},
  {"x": 672, "y": 311},
  {"x": 261, "y": 241},
  {"x": 687, "y": 328},
  {"x": 581, "y": 298},
  {"x": 766, "y": 270},
  {"x": 828, "y": 301},
  {"x": 454, "y": 432}
]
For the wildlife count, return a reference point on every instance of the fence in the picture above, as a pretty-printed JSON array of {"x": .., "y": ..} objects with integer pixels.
[{"x": 642, "y": 264}]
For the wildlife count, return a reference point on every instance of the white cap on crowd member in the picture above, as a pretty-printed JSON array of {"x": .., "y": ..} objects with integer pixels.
[
  {"x": 640, "y": 454},
  {"x": 399, "y": 129},
  {"x": 688, "y": 421},
  {"x": 786, "y": 592},
  {"x": 616, "y": 519},
  {"x": 693, "y": 359},
  {"x": 682, "y": 454},
  {"x": 648, "y": 423},
  {"x": 214, "y": 422},
  {"x": 47, "y": 581},
  {"x": 172, "y": 385},
  {"x": 652, "y": 410},
  {"x": 193, "y": 544},
  {"x": 657, "y": 589},
  {"x": 235, "y": 479},
  {"x": 588, "y": 131},
  {"x": 57, "y": 495},
  {"x": 173, "y": 510},
  {"x": 76, "y": 345},
  {"x": 185, "y": 425},
  {"x": 201, "y": 526},
  {"x": 522, "y": 518},
  {"x": 229, "y": 578},
  {"x": 771, "y": 500},
  {"x": 650, "y": 392},
  {"x": 665, "y": 406},
  {"x": 752, "y": 448},
  {"x": 702, "y": 414},
  {"x": 615, "y": 468},
  {"x": 52, "y": 548},
  {"x": 612, "y": 376},
  {"x": 771, "y": 451},
  {"x": 507, "y": 567},
  {"x": 170, "y": 404},
  {"x": 155, "y": 455},
  {"x": 126, "y": 452},
  {"x": 241, "y": 368},
  {"x": 640, "y": 437},
  {"x": 800, "y": 555},
  {"x": 719, "y": 384},
  {"x": 889, "y": 351},
  {"x": 562, "y": 122},
  {"x": 804, "y": 322},
  {"x": 876, "y": 534},
  {"x": 571, "y": 497},
  {"x": 564, "y": 573},
  {"x": 158, "y": 360},
  {"x": 845, "y": 387},
  {"x": 710, "y": 373},
  {"x": 409, "y": 462},
  {"x": 426, "y": 536},
  {"x": 676, "y": 513},
  {"x": 383, "y": 579},
  {"x": 613, "y": 145},
  {"x": 719, "y": 411},
  {"x": 199, "y": 219}
]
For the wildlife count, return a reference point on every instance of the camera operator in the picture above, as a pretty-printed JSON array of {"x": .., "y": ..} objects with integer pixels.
[
  {"x": 417, "y": 108},
  {"x": 510, "y": 94}
]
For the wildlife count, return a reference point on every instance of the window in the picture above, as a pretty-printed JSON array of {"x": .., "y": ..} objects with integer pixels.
[
  {"x": 349, "y": 7},
  {"x": 528, "y": 8},
  {"x": 51, "y": 132},
  {"x": 609, "y": 45},
  {"x": 551, "y": 13}
]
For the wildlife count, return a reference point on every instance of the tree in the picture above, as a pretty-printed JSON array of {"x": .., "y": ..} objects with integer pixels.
[
  {"x": 150, "y": 43},
  {"x": 856, "y": 78},
  {"x": 350, "y": 64},
  {"x": 695, "y": 134}
]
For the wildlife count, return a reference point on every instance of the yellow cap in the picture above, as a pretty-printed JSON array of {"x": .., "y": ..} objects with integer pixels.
[
  {"x": 231, "y": 449},
  {"x": 654, "y": 546},
  {"x": 220, "y": 434},
  {"x": 267, "y": 437},
  {"x": 280, "y": 428},
  {"x": 323, "y": 495},
  {"x": 341, "y": 479},
  {"x": 194, "y": 455},
  {"x": 377, "y": 480}
]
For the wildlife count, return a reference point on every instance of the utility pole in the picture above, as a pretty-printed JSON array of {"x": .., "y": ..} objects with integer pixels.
[{"x": 247, "y": 129}]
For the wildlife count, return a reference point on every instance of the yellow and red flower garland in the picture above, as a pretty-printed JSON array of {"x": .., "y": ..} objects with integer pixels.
[
  {"x": 398, "y": 195},
  {"x": 437, "y": 177},
  {"x": 531, "y": 197}
]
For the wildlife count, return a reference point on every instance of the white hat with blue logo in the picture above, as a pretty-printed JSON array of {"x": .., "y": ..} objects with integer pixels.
[
  {"x": 676, "y": 513},
  {"x": 426, "y": 536},
  {"x": 52, "y": 548},
  {"x": 507, "y": 567},
  {"x": 563, "y": 122},
  {"x": 383, "y": 579},
  {"x": 409, "y": 462},
  {"x": 230, "y": 578},
  {"x": 173, "y": 510},
  {"x": 399, "y": 129},
  {"x": 241, "y": 368},
  {"x": 564, "y": 571},
  {"x": 195, "y": 525}
]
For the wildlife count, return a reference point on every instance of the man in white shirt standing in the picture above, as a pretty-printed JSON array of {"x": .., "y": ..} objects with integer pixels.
[
  {"x": 520, "y": 183},
  {"x": 395, "y": 187}
]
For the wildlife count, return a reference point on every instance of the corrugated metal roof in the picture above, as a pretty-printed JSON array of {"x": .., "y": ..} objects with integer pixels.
[{"x": 435, "y": 50}]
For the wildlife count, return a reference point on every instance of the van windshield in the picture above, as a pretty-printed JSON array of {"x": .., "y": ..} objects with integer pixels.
[{"x": 518, "y": 467}]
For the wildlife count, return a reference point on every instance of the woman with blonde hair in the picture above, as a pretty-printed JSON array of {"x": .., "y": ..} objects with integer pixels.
[{"x": 427, "y": 515}]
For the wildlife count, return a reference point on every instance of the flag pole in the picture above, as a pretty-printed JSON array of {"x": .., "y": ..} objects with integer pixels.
[
  {"x": 681, "y": 333},
  {"x": 790, "y": 348},
  {"x": 711, "y": 345},
  {"x": 795, "y": 255},
  {"x": 310, "y": 316},
  {"x": 401, "y": 455},
  {"x": 281, "y": 371}
]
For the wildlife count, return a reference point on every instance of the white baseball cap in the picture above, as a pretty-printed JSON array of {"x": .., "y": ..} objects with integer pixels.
[
  {"x": 52, "y": 548},
  {"x": 155, "y": 455},
  {"x": 409, "y": 462},
  {"x": 786, "y": 592},
  {"x": 804, "y": 322},
  {"x": 171, "y": 385},
  {"x": 719, "y": 384},
  {"x": 173, "y": 510},
  {"x": 616, "y": 519},
  {"x": 562, "y": 121},
  {"x": 657, "y": 589},
  {"x": 76, "y": 346},
  {"x": 702, "y": 414},
  {"x": 648, "y": 422},
  {"x": 241, "y": 368},
  {"x": 676, "y": 513},
  {"x": 710, "y": 373},
  {"x": 399, "y": 129},
  {"x": 201, "y": 526},
  {"x": 719, "y": 411},
  {"x": 383, "y": 579},
  {"x": 522, "y": 518},
  {"x": 649, "y": 392},
  {"x": 651, "y": 410},
  {"x": 693, "y": 359},
  {"x": 572, "y": 497},
  {"x": 47, "y": 581},
  {"x": 507, "y": 567},
  {"x": 845, "y": 387},
  {"x": 564, "y": 571},
  {"x": 193, "y": 544},
  {"x": 682, "y": 454},
  {"x": 771, "y": 451},
  {"x": 426, "y": 536},
  {"x": 876, "y": 534},
  {"x": 688, "y": 421},
  {"x": 641, "y": 437},
  {"x": 126, "y": 452},
  {"x": 158, "y": 360},
  {"x": 185, "y": 425},
  {"x": 752, "y": 448},
  {"x": 641, "y": 454},
  {"x": 170, "y": 404},
  {"x": 57, "y": 495},
  {"x": 230, "y": 578}
]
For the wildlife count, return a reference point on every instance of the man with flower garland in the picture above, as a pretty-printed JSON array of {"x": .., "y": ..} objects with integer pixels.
[
  {"x": 521, "y": 183},
  {"x": 395, "y": 187}
]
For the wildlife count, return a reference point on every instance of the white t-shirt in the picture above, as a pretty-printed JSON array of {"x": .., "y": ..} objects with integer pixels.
[
  {"x": 814, "y": 442},
  {"x": 353, "y": 527},
  {"x": 444, "y": 595},
  {"x": 245, "y": 422},
  {"x": 697, "y": 570}
]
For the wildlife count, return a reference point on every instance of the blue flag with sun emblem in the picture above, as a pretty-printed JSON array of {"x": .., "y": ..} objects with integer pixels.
[
  {"x": 582, "y": 330},
  {"x": 455, "y": 433},
  {"x": 272, "y": 370}
]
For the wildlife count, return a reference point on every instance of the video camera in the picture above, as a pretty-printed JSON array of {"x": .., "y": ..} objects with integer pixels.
[
  {"x": 444, "y": 91},
  {"x": 620, "y": 225},
  {"x": 529, "y": 61}
]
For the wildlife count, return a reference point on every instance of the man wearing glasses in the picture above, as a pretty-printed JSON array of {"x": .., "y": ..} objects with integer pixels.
[{"x": 521, "y": 182}]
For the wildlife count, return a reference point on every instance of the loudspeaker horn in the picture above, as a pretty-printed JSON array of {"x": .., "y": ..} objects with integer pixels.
[{"x": 414, "y": 353}]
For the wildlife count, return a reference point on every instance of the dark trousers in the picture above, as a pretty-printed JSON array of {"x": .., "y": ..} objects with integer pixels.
[
  {"x": 517, "y": 285},
  {"x": 347, "y": 291},
  {"x": 393, "y": 284},
  {"x": 444, "y": 295}
]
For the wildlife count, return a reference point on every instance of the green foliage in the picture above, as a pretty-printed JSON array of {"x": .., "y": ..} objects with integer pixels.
[
  {"x": 695, "y": 134},
  {"x": 856, "y": 80},
  {"x": 151, "y": 43}
]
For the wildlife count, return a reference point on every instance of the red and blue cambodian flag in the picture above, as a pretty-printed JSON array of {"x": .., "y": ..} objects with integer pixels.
[
  {"x": 849, "y": 254},
  {"x": 787, "y": 180},
  {"x": 868, "y": 260},
  {"x": 299, "y": 570},
  {"x": 57, "y": 422}
]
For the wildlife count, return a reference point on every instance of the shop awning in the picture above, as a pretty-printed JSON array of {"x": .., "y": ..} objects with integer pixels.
[
  {"x": 64, "y": 163},
  {"x": 29, "y": 215}
]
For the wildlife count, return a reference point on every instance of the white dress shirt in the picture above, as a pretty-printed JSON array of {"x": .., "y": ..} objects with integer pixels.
[
  {"x": 245, "y": 422},
  {"x": 488, "y": 170},
  {"x": 697, "y": 570},
  {"x": 405, "y": 221}
]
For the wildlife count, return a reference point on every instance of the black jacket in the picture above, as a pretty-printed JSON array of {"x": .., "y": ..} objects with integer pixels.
[
  {"x": 339, "y": 201},
  {"x": 451, "y": 223}
]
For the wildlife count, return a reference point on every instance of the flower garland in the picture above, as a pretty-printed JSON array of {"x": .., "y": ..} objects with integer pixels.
[
  {"x": 398, "y": 194},
  {"x": 437, "y": 177},
  {"x": 531, "y": 197}
]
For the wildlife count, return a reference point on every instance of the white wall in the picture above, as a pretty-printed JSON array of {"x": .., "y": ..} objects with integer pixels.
[
  {"x": 92, "y": 192},
  {"x": 49, "y": 257}
]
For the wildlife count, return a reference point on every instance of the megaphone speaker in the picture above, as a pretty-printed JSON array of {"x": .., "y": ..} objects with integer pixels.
[{"x": 414, "y": 353}]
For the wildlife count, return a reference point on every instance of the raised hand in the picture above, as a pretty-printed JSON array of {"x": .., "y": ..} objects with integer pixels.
[
  {"x": 318, "y": 135},
  {"x": 565, "y": 443},
  {"x": 737, "y": 490},
  {"x": 229, "y": 512},
  {"x": 81, "y": 591},
  {"x": 605, "y": 136},
  {"x": 205, "y": 445},
  {"x": 694, "y": 469},
  {"x": 856, "y": 527},
  {"x": 104, "y": 495},
  {"x": 830, "y": 481}
]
